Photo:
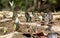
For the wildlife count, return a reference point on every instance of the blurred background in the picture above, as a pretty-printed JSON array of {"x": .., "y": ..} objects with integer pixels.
[{"x": 30, "y": 5}]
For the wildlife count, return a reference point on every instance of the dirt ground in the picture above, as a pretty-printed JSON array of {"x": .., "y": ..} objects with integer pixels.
[
  {"x": 25, "y": 28},
  {"x": 29, "y": 28}
]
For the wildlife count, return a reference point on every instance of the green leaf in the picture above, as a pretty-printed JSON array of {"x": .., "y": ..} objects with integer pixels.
[
  {"x": 14, "y": 27},
  {"x": 5, "y": 30},
  {"x": 53, "y": 1}
]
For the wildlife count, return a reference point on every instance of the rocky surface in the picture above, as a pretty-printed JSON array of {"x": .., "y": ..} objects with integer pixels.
[
  {"x": 13, "y": 35},
  {"x": 26, "y": 27}
]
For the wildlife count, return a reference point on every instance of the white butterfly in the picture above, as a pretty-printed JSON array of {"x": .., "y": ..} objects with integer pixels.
[
  {"x": 11, "y": 3},
  {"x": 17, "y": 20}
]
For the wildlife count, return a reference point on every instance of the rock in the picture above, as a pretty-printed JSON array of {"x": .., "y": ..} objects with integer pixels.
[
  {"x": 9, "y": 15},
  {"x": 55, "y": 17},
  {"x": 13, "y": 35},
  {"x": 1, "y": 16},
  {"x": 55, "y": 28}
]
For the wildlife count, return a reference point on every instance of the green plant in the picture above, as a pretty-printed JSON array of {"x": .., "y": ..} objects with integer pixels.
[
  {"x": 5, "y": 30},
  {"x": 14, "y": 27},
  {"x": 53, "y": 1}
]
